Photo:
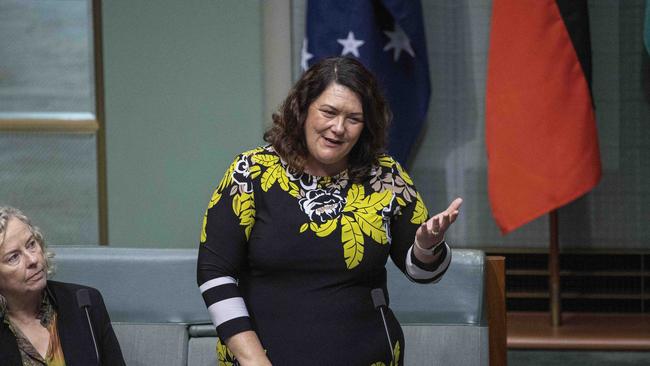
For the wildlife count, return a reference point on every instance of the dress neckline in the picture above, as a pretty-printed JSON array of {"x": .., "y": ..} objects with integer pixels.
[
  {"x": 342, "y": 174},
  {"x": 323, "y": 179}
]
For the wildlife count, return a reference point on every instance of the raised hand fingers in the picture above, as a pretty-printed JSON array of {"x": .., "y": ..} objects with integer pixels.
[
  {"x": 454, "y": 209},
  {"x": 455, "y": 206},
  {"x": 448, "y": 216},
  {"x": 446, "y": 220},
  {"x": 436, "y": 225}
]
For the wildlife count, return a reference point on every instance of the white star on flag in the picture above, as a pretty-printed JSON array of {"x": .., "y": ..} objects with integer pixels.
[
  {"x": 305, "y": 56},
  {"x": 399, "y": 42},
  {"x": 350, "y": 45}
]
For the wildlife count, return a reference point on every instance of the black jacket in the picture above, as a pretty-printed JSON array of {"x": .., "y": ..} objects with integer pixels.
[{"x": 74, "y": 332}]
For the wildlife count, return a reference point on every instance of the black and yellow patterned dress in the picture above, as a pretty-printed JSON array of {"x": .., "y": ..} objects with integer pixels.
[{"x": 294, "y": 257}]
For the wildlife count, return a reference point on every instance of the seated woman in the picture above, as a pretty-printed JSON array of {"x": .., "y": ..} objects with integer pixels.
[{"x": 42, "y": 322}]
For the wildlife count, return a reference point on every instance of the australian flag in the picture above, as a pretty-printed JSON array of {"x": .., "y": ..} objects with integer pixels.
[{"x": 388, "y": 37}]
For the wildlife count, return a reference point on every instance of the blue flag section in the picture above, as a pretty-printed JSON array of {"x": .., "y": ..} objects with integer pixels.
[{"x": 388, "y": 37}]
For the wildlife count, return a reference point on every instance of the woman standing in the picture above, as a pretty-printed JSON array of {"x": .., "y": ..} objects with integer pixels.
[
  {"x": 41, "y": 322},
  {"x": 298, "y": 232}
]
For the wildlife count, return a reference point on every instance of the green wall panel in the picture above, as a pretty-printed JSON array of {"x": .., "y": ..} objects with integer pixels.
[{"x": 183, "y": 86}]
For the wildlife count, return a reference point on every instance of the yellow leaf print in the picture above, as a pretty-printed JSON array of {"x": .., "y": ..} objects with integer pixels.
[
  {"x": 274, "y": 173},
  {"x": 420, "y": 212},
  {"x": 401, "y": 201},
  {"x": 225, "y": 182},
  {"x": 255, "y": 171},
  {"x": 204, "y": 236},
  {"x": 236, "y": 204},
  {"x": 395, "y": 361},
  {"x": 270, "y": 176},
  {"x": 224, "y": 355},
  {"x": 266, "y": 160},
  {"x": 283, "y": 180},
  {"x": 355, "y": 193},
  {"x": 244, "y": 208},
  {"x": 373, "y": 203},
  {"x": 404, "y": 174},
  {"x": 247, "y": 220},
  {"x": 216, "y": 196},
  {"x": 247, "y": 204},
  {"x": 326, "y": 228},
  {"x": 386, "y": 161},
  {"x": 294, "y": 190},
  {"x": 372, "y": 225},
  {"x": 366, "y": 211},
  {"x": 363, "y": 215},
  {"x": 352, "y": 241},
  {"x": 243, "y": 204},
  {"x": 396, "y": 352},
  {"x": 253, "y": 151},
  {"x": 248, "y": 229}
]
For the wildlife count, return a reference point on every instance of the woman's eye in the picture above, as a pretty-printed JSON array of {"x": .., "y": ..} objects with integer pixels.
[
  {"x": 355, "y": 120},
  {"x": 13, "y": 259},
  {"x": 31, "y": 244},
  {"x": 328, "y": 114}
]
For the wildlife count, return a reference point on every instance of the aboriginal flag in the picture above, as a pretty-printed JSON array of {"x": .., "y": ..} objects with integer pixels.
[{"x": 542, "y": 143}]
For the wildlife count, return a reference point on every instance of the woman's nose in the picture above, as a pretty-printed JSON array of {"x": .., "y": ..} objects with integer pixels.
[
  {"x": 338, "y": 127},
  {"x": 32, "y": 258}
]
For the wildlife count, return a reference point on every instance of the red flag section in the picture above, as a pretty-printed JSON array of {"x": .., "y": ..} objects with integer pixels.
[{"x": 541, "y": 137}]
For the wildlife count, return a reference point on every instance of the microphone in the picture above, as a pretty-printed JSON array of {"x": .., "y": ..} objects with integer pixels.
[
  {"x": 379, "y": 301},
  {"x": 83, "y": 299}
]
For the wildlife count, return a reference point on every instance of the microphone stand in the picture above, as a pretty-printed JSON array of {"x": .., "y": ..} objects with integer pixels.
[
  {"x": 83, "y": 299},
  {"x": 379, "y": 301}
]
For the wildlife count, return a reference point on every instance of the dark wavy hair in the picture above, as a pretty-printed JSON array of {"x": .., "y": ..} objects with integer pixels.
[{"x": 287, "y": 133}]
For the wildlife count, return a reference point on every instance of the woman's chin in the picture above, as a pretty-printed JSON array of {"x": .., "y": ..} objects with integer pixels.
[{"x": 37, "y": 283}]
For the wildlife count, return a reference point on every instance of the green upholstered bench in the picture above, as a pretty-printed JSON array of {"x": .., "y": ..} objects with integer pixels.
[{"x": 160, "y": 319}]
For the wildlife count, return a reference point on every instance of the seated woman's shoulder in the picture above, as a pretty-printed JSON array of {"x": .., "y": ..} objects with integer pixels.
[{"x": 69, "y": 289}]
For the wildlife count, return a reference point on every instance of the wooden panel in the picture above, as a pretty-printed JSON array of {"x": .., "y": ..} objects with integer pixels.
[
  {"x": 579, "y": 331},
  {"x": 49, "y": 122},
  {"x": 496, "y": 302}
]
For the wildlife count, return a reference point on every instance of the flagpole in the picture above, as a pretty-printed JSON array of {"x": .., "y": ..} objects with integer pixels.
[{"x": 554, "y": 269}]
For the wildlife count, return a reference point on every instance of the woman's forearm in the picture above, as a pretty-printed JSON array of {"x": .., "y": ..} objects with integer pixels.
[{"x": 247, "y": 349}]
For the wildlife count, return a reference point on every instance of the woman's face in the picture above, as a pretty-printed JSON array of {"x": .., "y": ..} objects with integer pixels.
[
  {"x": 333, "y": 125},
  {"x": 22, "y": 263}
]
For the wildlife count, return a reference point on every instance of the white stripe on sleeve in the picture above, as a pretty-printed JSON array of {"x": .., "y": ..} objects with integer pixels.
[
  {"x": 228, "y": 309},
  {"x": 216, "y": 282},
  {"x": 420, "y": 274}
]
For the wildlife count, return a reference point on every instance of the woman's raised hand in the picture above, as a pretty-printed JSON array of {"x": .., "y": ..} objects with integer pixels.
[{"x": 433, "y": 230}]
